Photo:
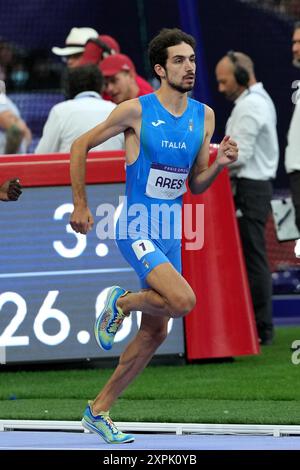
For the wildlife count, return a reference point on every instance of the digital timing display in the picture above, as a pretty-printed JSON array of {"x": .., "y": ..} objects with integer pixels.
[{"x": 53, "y": 280}]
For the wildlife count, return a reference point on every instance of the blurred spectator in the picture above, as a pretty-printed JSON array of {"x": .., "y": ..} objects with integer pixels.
[
  {"x": 96, "y": 49},
  {"x": 85, "y": 46},
  {"x": 45, "y": 73},
  {"x": 292, "y": 151},
  {"x": 14, "y": 67},
  {"x": 252, "y": 124},
  {"x": 28, "y": 70},
  {"x": 15, "y": 136},
  {"x": 287, "y": 7},
  {"x": 19, "y": 77},
  {"x": 6, "y": 58},
  {"x": 121, "y": 80},
  {"x": 74, "y": 45},
  {"x": 84, "y": 109}
]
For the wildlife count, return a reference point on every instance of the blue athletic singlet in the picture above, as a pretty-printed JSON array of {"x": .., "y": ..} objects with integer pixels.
[{"x": 148, "y": 231}]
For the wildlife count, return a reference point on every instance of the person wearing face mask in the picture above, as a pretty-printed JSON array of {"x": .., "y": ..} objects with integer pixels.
[
  {"x": 18, "y": 78},
  {"x": 292, "y": 151},
  {"x": 252, "y": 124}
]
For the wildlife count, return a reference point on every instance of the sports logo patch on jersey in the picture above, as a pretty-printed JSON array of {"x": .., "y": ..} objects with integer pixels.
[
  {"x": 191, "y": 125},
  {"x": 158, "y": 122}
]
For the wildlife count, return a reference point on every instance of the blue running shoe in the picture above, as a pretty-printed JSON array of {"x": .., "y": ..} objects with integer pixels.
[
  {"x": 102, "y": 424},
  {"x": 110, "y": 319}
]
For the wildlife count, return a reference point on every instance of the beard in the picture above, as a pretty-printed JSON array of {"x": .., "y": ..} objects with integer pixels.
[
  {"x": 233, "y": 94},
  {"x": 179, "y": 87},
  {"x": 231, "y": 97}
]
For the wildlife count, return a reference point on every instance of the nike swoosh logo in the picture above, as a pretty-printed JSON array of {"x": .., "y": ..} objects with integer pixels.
[{"x": 157, "y": 123}]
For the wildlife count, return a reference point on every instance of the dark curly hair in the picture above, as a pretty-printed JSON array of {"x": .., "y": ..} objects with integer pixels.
[
  {"x": 157, "y": 50},
  {"x": 83, "y": 78}
]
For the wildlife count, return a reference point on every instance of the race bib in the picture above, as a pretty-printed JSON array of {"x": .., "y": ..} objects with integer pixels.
[
  {"x": 166, "y": 182},
  {"x": 142, "y": 248}
]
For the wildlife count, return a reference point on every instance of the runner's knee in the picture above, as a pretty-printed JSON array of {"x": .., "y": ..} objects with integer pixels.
[
  {"x": 182, "y": 303},
  {"x": 155, "y": 335}
]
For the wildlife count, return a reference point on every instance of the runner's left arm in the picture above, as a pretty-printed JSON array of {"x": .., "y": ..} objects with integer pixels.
[{"x": 202, "y": 175}]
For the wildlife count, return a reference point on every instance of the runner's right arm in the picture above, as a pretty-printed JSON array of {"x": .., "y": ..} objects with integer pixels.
[{"x": 122, "y": 117}]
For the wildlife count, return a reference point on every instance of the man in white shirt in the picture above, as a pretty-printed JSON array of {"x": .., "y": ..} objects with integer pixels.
[
  {"x": 84, "y": 110},
  {"x": 252, "y": 124},
  {"x": 292, "y": 151}
]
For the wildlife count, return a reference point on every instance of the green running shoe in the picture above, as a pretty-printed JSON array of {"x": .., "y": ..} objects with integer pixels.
[
  {"x": 102, "y": 424},
  {"x": 110, "y": 319}
]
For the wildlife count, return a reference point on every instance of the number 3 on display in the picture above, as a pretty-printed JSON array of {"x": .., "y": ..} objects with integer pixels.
[{"x": 80, "y": 246}]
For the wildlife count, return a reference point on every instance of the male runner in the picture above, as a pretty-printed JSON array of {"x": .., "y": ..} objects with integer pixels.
[{"x": 167, "y": 139}]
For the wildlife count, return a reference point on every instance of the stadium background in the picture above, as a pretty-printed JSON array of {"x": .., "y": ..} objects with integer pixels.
[
  {"x": 261, "y": 29},
  {"x": 253, "y": 27}
]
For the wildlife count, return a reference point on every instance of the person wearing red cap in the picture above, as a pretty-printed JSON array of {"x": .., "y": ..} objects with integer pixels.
[
  {"x": 122, "y": 82},
  {"x": 96, "y": 49},
  {"x": 83, "y": 46}
]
